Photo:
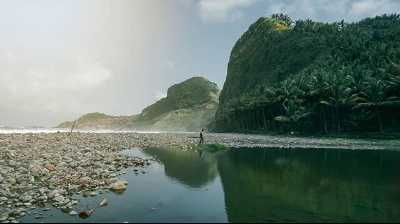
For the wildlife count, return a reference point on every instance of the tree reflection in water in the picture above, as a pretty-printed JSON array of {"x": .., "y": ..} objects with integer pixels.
[
  {"x": 311, "y": 185},
  {"x": 262, "y": 185},
  {"x": 192, "y": 168}
]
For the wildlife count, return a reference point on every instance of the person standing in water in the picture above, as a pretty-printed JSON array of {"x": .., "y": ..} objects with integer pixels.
[{"x": 201, "y": 137}]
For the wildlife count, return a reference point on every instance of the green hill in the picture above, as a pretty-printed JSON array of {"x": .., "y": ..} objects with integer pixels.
[
  {"x": 189, "y": 106},
  {"x": 191, "y": 93},
  {"x": 99, "y": 121},
  {"x": 313, "y": 77}
]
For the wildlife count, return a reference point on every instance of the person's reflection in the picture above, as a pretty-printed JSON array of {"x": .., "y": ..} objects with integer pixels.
[{"x": 200, "y": 153}]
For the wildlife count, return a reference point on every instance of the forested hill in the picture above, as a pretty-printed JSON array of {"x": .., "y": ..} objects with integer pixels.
[
  {"x": 308, "y": 76},
  {"x": 188, "y": 106}
]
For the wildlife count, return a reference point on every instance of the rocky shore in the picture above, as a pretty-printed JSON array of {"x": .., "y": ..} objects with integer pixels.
[
  {"x": 48, "y": 169},
  {"x": 44, "y": 170}
]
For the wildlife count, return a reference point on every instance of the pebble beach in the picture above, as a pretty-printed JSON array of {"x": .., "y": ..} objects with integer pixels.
[{"x": 47, "y": 169}]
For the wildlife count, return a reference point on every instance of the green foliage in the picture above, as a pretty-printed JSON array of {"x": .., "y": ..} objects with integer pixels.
[
  {"x": 190, "y": 93},
  {"x": 189, "y": 106},
  {"x": 93, "y": 117},
  {"x": 314, "y": 77}
]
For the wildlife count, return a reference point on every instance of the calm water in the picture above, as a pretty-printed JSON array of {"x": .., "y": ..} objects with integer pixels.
[{"x": 256, "y": 185}]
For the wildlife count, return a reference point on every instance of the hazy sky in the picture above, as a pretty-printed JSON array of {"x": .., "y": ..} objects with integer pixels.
[{"x": 61, "y": 59}]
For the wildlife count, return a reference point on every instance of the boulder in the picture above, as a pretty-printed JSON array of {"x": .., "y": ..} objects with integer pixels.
[{"x": 119, "y": 186}]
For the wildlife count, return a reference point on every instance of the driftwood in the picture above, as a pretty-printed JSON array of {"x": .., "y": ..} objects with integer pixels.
[{"x": 72, "y": 127}]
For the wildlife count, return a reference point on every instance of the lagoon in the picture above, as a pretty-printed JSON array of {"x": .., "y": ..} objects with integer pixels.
[{"x": 254, "y": 185}]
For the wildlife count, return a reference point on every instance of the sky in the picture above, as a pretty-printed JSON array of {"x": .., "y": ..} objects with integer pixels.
[{"x": 62, "y": 59}]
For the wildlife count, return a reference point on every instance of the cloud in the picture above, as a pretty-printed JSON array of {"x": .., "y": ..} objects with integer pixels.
[
  {"x": 322, "y": 10},
  {"x": 222, "y": 10},
  {"x": 328, "y": 11},
  {"x": 48, "y": 88}
]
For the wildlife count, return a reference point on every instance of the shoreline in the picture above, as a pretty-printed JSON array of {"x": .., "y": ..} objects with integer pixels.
[{"x": 49, "y": 168}]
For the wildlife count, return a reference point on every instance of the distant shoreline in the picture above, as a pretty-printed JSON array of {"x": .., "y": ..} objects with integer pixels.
[
  {"x": 66, "y": 130},
  {"x": 345, "y": 135},
  {"x": 186, "y": 140}
]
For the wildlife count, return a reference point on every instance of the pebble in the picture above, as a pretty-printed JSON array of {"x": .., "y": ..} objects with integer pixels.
[
  {"x": 53, "y": 167},
  {"x": 73, "y": 213},
  {"x": 3, "y": 217}
]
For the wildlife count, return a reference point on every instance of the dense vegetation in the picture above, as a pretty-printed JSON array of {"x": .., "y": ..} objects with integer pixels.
[
  {"x": 190, "y": 93},
  {"x": 314, "y": 77}
]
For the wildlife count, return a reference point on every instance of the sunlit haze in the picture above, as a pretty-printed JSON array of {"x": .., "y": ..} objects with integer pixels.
[{"x": 61, "y": 59}]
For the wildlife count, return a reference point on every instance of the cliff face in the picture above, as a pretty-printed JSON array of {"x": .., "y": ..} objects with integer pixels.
[
  {"x": 293, "y": 76},
  {"x": 189, "y": 106}
]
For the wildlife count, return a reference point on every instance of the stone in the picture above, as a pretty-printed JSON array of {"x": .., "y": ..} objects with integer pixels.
[
  {"x": 53, "y": 194},
  {"x": 50, "y": 167},
  {"x": 119, "y": 186},
  {"x": 42, "y": 198},
  {"x": 84, "y": 181},
  {"x": 73, "y": 213},
  {"x": 103, "y": 203},
  {"x": 12, "y": 181},
  {"x": 59, "y": 199},
  {"x": 36, "y": 168},
  {"x": 26, "y": 198},
  {"x": 3, "y": 217},
  {"x": 86, "y": 214}
]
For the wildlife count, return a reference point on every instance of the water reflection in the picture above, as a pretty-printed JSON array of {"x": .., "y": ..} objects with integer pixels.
[
  {"x": 311, "y": 185},
  {"x": 254, "y": 185},
  {"x": 295, "y": 185},
  {"x": 193, "y": 168}
]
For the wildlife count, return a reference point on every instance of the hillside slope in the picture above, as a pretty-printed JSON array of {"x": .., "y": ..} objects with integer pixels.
[
  {"x": 189, "y": 106},
  {"x": 313, "y": 77}
]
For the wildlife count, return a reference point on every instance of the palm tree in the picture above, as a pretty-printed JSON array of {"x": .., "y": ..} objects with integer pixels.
[
  {"x": 337, "y": 92},
  {"x": 372, "y": 98}
]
